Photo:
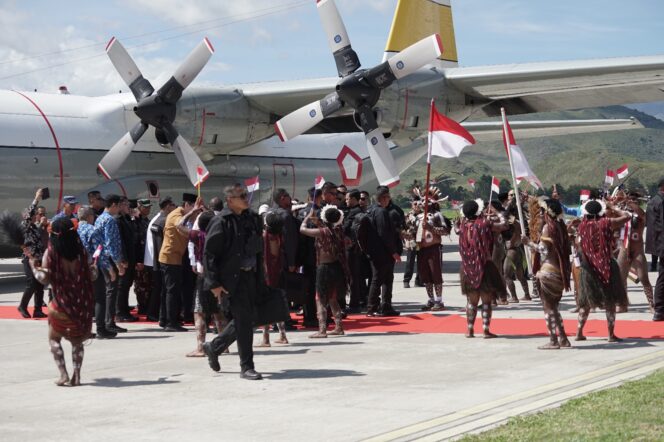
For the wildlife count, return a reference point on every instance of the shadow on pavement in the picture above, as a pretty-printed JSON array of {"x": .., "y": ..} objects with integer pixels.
[
  {"x": 118, "y": 382},
  {"x": 312, "y": 374}
]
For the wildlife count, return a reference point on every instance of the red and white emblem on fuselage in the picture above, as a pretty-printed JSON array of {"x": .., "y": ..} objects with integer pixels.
[{"x": 350, "y": 166}]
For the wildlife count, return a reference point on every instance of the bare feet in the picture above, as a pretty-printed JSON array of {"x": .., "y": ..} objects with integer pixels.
[
  {"x": 489, "y": 335},
  {"x": 614, "y": 338},
  {"x": 470, "y": 334},
  {"x": 75, "y": 380},
  {"x": 621, "y": 309},
  {"x": 337, "y": 332},
  {"x": 263, "y": 344},
  {"x": 564, "y": 342},
  {"x": 503, "y": 302},
  {"x": 550, "y": 346},
  {"x": 526, "y": 298},
  {"x": 579, "y": 337},
  {"x": 514, "y": 300},
  {"x": 196, "y": 354},
  {"x": 575, "y": 310},
  {"x": 318, "y": 335},
  {"x": 281, "y": 340},
  {"x": 63, "y": 381}
]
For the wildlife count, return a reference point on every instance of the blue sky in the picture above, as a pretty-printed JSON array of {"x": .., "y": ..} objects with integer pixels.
[{"x": 286, "y": 40}]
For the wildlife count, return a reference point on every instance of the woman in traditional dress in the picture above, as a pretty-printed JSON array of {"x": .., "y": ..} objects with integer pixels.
[
  {"x": 332, "y": 267},
  {"x": 600, "y": 284},
  {"x": 553, "y": 275},
  {"x": 479, "y": 276},
  {"x": 65, "y": 266}
]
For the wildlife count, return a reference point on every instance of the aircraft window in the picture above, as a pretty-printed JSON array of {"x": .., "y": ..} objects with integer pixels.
[
  {"x": 211, "y": 139},
  {"x": 153, "y": 189},
  {"x": 413, "y": 121}
]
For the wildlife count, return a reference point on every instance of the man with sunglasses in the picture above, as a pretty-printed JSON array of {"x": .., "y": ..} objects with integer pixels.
[{"x": 233, "y": 268}]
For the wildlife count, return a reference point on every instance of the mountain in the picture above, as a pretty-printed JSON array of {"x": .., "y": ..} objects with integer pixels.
[{"x": 572, "y": 161}]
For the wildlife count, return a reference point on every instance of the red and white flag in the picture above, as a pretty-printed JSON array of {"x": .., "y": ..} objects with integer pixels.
[
  {"x": 585, "y": 195},
  {"x": 609, "y": 177},
  {"x": 625, "y": 231},
  {"x": 456, "y": 205},
  {"x": 253, "y": 184},
  {"x": 495, "y": 185},
  {"x": 522, "y": 170},
  {"x": 471, "y": 182},
  {"x": 447, "y": 138},
  {"x": 622, "y": 172},
  {"x": 318, "y": 182},
  {"x": 202, "y": 174}
]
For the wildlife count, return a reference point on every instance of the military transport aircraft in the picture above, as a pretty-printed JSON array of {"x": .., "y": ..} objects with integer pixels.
[{"x": 359, "y": 128}]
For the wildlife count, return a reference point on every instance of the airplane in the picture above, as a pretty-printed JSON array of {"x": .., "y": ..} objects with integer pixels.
[{"x": 369, "y": 127}]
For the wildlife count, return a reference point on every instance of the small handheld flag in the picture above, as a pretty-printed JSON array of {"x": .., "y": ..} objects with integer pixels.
[
  {"x": 585, "y": 195},
  {"x": 495, "y": 184},
  {"x": 318, "y": 182},
  {"x": 609, "y": 177},
  {"x": 471, "y": 183},
  {"x": 622, "y": 172},
  {"x": 95, "y": 256},
  {"x": 253, "y": 184}
]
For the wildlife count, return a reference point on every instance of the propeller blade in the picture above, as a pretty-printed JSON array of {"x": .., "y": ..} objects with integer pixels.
[
  {"x": 171, "y": 91},
  {"x": 128, "y": 70},
  {"x": 118, "y": 154},
  {"x": 344, "y": 56},
  {"x": 306, "y": 117},
  {"x": 382, "y": 159},
  {"x": 415, "y": 56},
  {"x": 191, "y": 163}
]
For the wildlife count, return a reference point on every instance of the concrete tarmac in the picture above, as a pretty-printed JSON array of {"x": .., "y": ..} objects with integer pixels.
[{"x": 362, "y": 386}]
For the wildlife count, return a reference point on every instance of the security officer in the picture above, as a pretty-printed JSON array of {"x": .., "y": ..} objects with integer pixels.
[{"x": 233, "y": 263}]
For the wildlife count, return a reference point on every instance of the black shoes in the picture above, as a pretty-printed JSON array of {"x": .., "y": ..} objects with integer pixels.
[
  {"x": 126, "y": 318},
  {"x": 39, "y": 314},
  {"x": 251, "y": 375},
  {"x": 24, "y": 312},
  {"x": 406, "y": 284},
  {"x": 102, "y": 333},
  {"x": 388, "y": 312},
  {"x": 373, "y": 314},
  {"x": 213, "y": 359},
  {"x": 658, "y": 318},
  {"x": 114, "y": 328},
  {"x": 175, "y": 328}
]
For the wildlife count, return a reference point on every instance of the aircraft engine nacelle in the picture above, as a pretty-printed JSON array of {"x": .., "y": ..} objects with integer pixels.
[{"x": 218, "y": 120}]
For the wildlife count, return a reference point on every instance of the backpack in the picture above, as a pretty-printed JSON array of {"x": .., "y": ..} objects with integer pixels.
[{"x": 360, "y": 230}]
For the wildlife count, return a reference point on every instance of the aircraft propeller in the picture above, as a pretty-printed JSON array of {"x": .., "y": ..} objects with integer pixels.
[
  {"x": 359, "y": 89},
  {"x": 157, "y": 110}
]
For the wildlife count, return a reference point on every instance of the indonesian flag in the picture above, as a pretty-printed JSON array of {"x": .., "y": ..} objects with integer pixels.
[
  {"x": 95, "y": 256},
  {"x": 625, "y": 231},
  {"x": 471, "y": 182},
  {"x": 318, "y": 182},
  {"x": 622, "y": 171},
  {"x": 456, "y": 205},
  {"x": 522, "y": 170},
  {"x": 495, "y": 185},
  {"x": 585, "y": 195},
  {"x": 253, "y": 184},
  {"x": 201, "y": 175},
  {"x": 609, "y": 177},
  {"x": 447, "y": 138}
]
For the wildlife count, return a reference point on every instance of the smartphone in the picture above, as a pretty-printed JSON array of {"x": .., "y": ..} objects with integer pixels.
[{"x": 45, "y": 193}]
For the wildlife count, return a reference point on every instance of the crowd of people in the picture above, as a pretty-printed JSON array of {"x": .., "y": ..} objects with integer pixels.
[{"x": 211, "y": 264}]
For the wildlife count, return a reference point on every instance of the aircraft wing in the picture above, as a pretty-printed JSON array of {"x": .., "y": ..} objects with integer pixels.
[
  {"x": 282, "y": 97},
  {"x": 493, "y": 130},
  {"x": 540, "y": 87}
]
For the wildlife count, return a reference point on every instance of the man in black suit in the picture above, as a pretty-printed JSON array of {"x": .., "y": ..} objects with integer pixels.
[
  {"x": 655, "y": 245},
  {"x": 383, "y": 250}
]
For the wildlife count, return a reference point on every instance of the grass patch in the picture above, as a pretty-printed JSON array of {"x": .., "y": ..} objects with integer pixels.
[{"x": 631, "y": 412}]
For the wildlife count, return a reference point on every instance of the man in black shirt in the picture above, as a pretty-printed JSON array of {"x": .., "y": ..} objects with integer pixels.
[{"x": 233, "y": 262}]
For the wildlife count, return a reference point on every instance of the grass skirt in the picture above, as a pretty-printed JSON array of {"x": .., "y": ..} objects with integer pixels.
[
  {"x": 592, "y": 293},
  {"x": 492, "y": 282},
  {"x": 330, "y": 279}
]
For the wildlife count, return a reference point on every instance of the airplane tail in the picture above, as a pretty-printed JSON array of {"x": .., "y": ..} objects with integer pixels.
[{"x": 416, "y": 19}]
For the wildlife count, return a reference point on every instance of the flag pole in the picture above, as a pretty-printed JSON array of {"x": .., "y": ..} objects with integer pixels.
[
  {"x": 426, "y": 188},
  {"x": 515, "y": 185},
  {"x": 491, "y": 190}
]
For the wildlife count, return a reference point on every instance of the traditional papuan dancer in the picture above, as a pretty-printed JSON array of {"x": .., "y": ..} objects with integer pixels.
[
  {"x": 332, "y": 268},
  {"x": 499, "y": 252},
  {"x": 479, "y": 276},
  {"x": 274, "y": 258},
  {"x": 600, "y": 284},
  {"x": 429, "y": 248},
  {"x": 66, "y": 267},
  {"x": 632, "y": 253},
  {"x": 554, "y": 268},
  {"x": 205, "y": 303},
  {"x": 513, "y": 263}
]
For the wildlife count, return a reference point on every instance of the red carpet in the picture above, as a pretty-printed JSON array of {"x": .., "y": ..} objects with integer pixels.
[{"x": 456, "y": 324}]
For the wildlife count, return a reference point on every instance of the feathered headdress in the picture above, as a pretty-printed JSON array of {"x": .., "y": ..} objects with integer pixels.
[
  {"x": 11, "y": 230},
  {"x": 324, "y": 211},
  {"x": 434, "y": 195}
]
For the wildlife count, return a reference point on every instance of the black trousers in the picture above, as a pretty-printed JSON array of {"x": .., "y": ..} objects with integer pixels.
[
  {"x": 309, "y": 306},
  {"x": 411, "y": 258},
  {"x": 124, "y": 285},
  {"x": 658, "y": 296},
  {"x": 32, "y": 287},
  {"x": 171, "y": 299},
  {"x": 382, "y": 277},
  {"x": 156, "y": 292},
  {"x": 358, "y": 286},
  {"x": 188, "y": 290},
  {"x": 241, "y": 327},
  {"x": 99, "y": 286},
  {"x": 106, "y": 292}
]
